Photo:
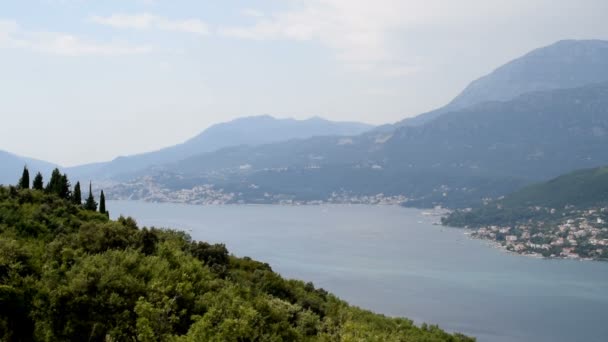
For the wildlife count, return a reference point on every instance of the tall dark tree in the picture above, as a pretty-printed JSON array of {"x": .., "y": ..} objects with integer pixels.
[
  {"x": 90, "y": 204},
  {"x": 54, "y": 184},
  {"x": 102, "y": 203},
  {"x": 38, "y": 182},
  {"x": 64, "y": 187},
  {"x": 77, "y": 195},
  {"x": 24, "y": 182},
  {"x": 59, "y": 185}
]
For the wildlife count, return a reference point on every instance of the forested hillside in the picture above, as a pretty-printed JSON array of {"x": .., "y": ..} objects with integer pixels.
[
  {"x": 575, "y": 191},
  {"x": 71, "y": 274},
  {"x": 564, "y": 217}
]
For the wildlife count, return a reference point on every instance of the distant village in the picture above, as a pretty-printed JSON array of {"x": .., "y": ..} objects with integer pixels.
[
  {"x": 581, "y": 234},
  {"x": 146, "y": 189}
]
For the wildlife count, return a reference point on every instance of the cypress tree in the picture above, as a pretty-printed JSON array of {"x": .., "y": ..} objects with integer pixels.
[
  {"x": 90, "y": 204},
  {"x": 77, "y": 195},
  {"x": 54, "y": 184},
  {"x": 24, "y": 182},
  {"x": 38, "y": 183},
  {"x": 64, "y": 187},
  {"x": 102, "y": 203}
]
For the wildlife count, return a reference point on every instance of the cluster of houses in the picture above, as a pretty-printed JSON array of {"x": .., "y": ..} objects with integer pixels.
[
  {"x": 584, "y": 234},
  {"x": 145, "y": 189}
]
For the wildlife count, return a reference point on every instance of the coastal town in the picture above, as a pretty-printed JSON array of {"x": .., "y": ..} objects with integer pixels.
[
  {"x": 578, "y": 234},
  {"x": 561, "y": 233},
  {"x": 148, "y": 190}
]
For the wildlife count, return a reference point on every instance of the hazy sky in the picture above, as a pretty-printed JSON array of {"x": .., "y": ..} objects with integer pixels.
[{"x": 84, "y": 80}]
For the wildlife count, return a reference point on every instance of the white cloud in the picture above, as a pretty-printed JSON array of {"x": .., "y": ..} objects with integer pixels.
[
  {"x": 14, "y": 36},
  {"x": 147, "y": 21},
  {"x": 368, "y": 35}
]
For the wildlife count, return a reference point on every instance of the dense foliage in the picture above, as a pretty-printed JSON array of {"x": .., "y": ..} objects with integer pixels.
[
  {"x": 70, "y": 274},
  {"x": 564, "y": 217}
]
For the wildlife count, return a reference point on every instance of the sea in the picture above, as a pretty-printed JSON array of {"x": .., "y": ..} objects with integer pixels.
[{"x": 397, "y": 261}]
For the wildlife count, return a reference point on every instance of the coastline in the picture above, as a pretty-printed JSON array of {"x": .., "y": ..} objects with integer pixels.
[{"x": 504, "y": 248}]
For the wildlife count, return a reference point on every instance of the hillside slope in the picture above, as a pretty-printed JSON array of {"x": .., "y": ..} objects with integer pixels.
[
  {"x": 564, "y": 217},
  {"x": 10, "y": 162},
  {"x": 565, "y": 64},
  {"x": 253, "y": 130},
  {"x": 483, "y": 151},
  {"x": 583, "y": 189},
  {"x": 67, "y": 274}
]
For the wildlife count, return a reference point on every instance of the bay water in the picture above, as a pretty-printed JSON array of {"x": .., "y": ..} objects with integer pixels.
[{"x": 395, "y": 261}]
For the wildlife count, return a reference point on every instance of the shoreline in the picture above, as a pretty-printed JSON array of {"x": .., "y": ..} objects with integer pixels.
[{"x": 503, "y": 248}]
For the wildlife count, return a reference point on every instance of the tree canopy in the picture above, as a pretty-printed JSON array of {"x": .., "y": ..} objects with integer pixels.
[
  {"x": 90, "y": 204},
  {"x": 24, "y": 181},
  {"x": 102, "y": 203},
  {"x": 70, "y": 274},
  {"x": 38, "y": 183},
  {"x": 59, "y": 185},
  {"x": 77, "y": 194}
]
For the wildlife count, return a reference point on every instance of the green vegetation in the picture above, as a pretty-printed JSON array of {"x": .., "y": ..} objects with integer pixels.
[
  {"x": 102, "y": 204},
  {"x": 90, "y": 204},
  {"x": 579, "y": 190},
  {"x": 564, "y": 217},
  {"x": 38, "y": 183},
  {"x": 24, "y": 181},
  {"x": 59, "y": 185},
  {"x": 77, "y": 195},
  {"x": 71, "y": 274}
]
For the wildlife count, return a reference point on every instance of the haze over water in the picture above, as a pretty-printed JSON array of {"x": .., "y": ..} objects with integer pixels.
[{"x": 394, "y": 261}]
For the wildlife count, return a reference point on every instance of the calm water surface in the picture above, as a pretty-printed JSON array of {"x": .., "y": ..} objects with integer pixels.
[{"x": 394, "y": 261}]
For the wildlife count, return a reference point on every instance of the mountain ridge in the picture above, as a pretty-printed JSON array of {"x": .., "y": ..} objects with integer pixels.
[
  {"x": 252, "y": 130},
  {"x": 485, "y": 150},
  {"x": 11, "y": 162},
  {"x": 561, "y": 65}
]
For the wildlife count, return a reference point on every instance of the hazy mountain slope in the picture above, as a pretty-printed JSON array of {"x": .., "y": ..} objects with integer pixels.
[
  {"x": 565, "y": 64},
  {"x": 582, "y": 188},
  {"x": 244, "y": 131},
  {"x": 10, "y": 162},
  {"x": 486, "y": 150},
  {"x": 536, "y": 135}
]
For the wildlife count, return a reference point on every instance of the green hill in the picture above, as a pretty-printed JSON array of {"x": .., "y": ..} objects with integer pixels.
[
  {"x": 564, "y": 217},
  {"x": 579, "y": 190},
  {"x": 68, "y": 274},
  {"x": 583, "y": 188}
]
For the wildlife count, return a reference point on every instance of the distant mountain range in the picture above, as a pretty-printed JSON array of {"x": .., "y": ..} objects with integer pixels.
[
  {"x": 254, "y": 130},
  {"x": 11, "y": 166},
  {"x": 539, "y": 116},
  {"x": 485, "y": 150},
  {"x": 565, "y": 64}
]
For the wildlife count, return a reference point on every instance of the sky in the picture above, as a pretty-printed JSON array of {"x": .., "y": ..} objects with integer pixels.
[{"x": 85, "y": 81}]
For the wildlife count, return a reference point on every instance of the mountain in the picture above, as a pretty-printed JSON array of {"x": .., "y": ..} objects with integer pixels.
[
  {"x": 486, "y": 150},
  {"x": 11, "y": 162},
  {"x": 563, "y": 217},
  {"x": 253, "y": 130},
  {"x": 582, "y": 188},
  {"x": 565, "y": 64}
]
